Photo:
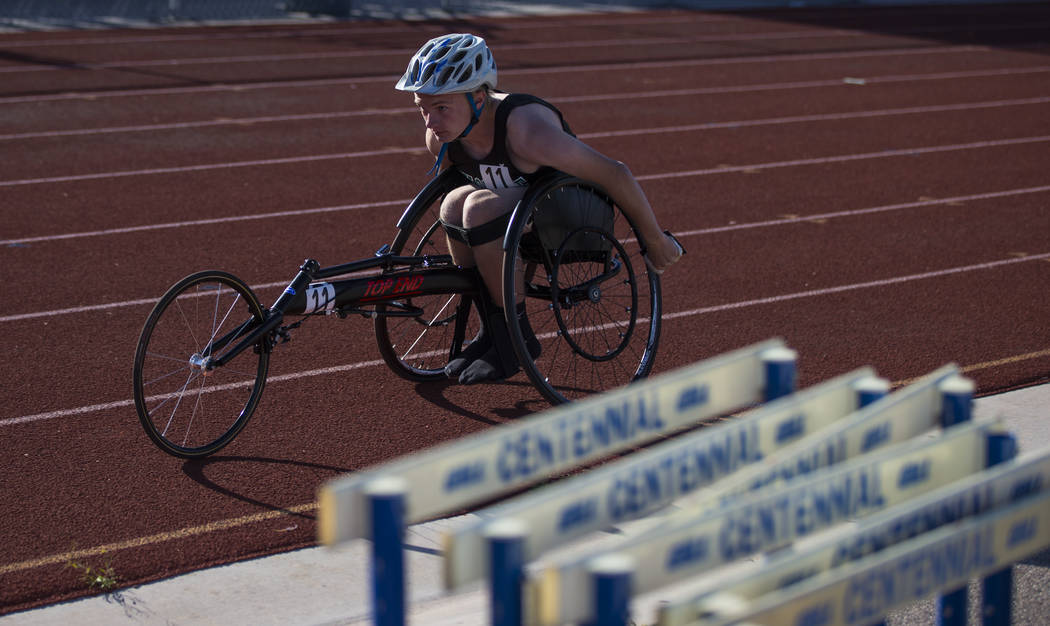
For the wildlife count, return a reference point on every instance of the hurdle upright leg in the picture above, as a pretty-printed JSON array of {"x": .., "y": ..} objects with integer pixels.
[
  {"x": 386, "y": 497},
  {"x": 611, "y": 575},
  {"x": 957, "y": 407},
  {"x": 506, "y": 540},
  {"x": 781, "y": 372},
  {"x": 998, "y": 587}
]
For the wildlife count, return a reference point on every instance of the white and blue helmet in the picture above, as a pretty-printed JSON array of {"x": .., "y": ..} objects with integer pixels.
[{"x": 457, "y": 63}]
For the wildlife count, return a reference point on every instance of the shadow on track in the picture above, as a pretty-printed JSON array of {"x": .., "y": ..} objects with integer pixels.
[
  {"x": 196, "y": 469},
  {"x": 436, "y": 394}
]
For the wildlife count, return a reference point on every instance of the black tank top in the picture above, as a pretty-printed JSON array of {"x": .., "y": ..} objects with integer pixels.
[{"x": 495, "y": 170}]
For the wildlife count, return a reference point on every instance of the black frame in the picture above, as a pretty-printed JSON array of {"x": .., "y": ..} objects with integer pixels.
[{"x": 424, "y": 276}]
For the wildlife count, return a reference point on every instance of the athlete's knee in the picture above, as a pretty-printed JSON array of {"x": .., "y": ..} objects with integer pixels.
[
  {"x": 483, "y": 206},
  {"x": 453, "y": 204}
]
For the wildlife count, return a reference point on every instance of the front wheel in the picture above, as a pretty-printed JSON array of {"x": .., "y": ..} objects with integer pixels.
[{"x": 187, "y": 408}]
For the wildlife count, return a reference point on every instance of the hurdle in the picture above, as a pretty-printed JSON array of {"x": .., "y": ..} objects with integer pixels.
[
  {"x": 842, "y": 450},
  {"x": 934, "y": 562},
  {"x": 989, "y": 490},
  {"x": 940, "y": 399},
  {"x": 562, "y": 589},
  {"x": 649, "y": 480},
  {"x": 380, "y": 502}
]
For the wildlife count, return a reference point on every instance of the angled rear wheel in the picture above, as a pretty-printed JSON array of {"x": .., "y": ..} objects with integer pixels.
[
  {"x": 574, "y": 258},
  {"x": 417, "y": 347}
]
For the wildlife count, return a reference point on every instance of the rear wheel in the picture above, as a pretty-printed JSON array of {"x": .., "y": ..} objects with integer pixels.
[
  {"x": 187, "y": 408},
  {"x": 575, "y": 259},
  {"x": 418, "y": 347}
]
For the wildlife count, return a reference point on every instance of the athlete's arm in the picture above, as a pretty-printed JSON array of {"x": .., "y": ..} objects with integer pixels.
[{"x": 534, "y": 135}]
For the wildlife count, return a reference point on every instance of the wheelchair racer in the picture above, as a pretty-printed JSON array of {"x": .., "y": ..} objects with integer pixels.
[{"x": 500, "y": 143}]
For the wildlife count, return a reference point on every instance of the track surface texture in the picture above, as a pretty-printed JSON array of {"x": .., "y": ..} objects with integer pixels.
[{"x": 869, "y": 184}]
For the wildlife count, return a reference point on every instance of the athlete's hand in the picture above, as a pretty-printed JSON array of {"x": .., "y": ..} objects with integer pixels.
[{"x": 662, "y": 253}]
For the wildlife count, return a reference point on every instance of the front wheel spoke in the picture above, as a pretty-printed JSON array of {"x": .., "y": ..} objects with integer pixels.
[
  {"x": 157, "y": 379},
  {"x": 215, "y": 329},
  {"x": 178, "y": 401},
  {"x": 193, "y": 414},
  {"x": 165, "y": 357},
  {"x": 189, "y": 326},
  {"x": 164, "y": 398}
]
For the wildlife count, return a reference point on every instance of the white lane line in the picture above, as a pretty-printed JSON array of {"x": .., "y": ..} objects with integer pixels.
[
  {"x": 26, "y": 419},
  {"x": 214, "y": 166},
  {"x": 306, "y": 31},
  {"x": 90, "y": 308},
  {"x": 204, "y": 222},
  {"x": 667, "y": 93},
  {"x": 315, "y": 56},
  {"x": 849, "y": 157},
  {"x": 563, "y": 44},
  {"x": 867, "y": 211},
  {"x": 404, "y": 202},
  {"x": 544, "y": 22},
  {"x": 865, "y": 285},
  {"x": 238, "y": 121},
  {"x": 547, "y": 70},
  {"x": 822, "y": 117},
  {"x": 421, "y": 150}
]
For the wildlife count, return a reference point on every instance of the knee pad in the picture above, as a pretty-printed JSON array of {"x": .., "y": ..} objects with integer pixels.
[{"x": 478, "y": 235}]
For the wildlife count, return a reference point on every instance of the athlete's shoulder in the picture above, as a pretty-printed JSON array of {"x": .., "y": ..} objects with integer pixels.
[{"x": 529, "y": 110}]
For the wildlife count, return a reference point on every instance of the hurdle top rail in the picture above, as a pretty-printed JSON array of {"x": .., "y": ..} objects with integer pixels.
[{"x": 452, "y": 476}]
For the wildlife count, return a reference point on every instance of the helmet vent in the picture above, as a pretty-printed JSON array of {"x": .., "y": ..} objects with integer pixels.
[
  {"x": 445, "y": 75},
  {"x": 428, "y": 71}
]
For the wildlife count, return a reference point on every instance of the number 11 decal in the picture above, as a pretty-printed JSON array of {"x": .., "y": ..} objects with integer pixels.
[{"x": 498, "y": 176}]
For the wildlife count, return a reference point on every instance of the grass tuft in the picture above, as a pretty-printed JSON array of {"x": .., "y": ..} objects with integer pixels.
[{"x": 103, "y": 577}]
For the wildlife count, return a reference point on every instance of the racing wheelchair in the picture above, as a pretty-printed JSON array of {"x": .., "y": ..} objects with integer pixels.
[{"x": 204, "y": 351}]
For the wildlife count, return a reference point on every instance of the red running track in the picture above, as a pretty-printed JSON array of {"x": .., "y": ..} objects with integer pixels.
[{"x": 868, "y": 184}]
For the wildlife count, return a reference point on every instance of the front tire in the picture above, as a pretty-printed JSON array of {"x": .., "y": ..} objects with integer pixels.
[{"x": 187, "y": 409}]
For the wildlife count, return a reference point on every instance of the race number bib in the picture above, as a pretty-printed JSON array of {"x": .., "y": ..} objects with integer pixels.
[
  {"x": 496, "y": 176},
  {"x": 320, "y": 296}
]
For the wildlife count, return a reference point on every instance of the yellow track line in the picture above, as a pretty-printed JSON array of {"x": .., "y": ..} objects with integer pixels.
[
  {"x": 139, "y": 542},
  {"x": 987, "y": 364}
]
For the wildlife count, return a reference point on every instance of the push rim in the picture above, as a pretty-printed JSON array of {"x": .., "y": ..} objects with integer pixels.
[{"x": 567, "y": 368}]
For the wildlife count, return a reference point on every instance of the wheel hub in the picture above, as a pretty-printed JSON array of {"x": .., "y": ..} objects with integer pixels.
[{"x": 198, "y": 362}]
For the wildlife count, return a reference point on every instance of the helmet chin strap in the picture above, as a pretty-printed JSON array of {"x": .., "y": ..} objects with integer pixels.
[{"x": 474, "y": 118}]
